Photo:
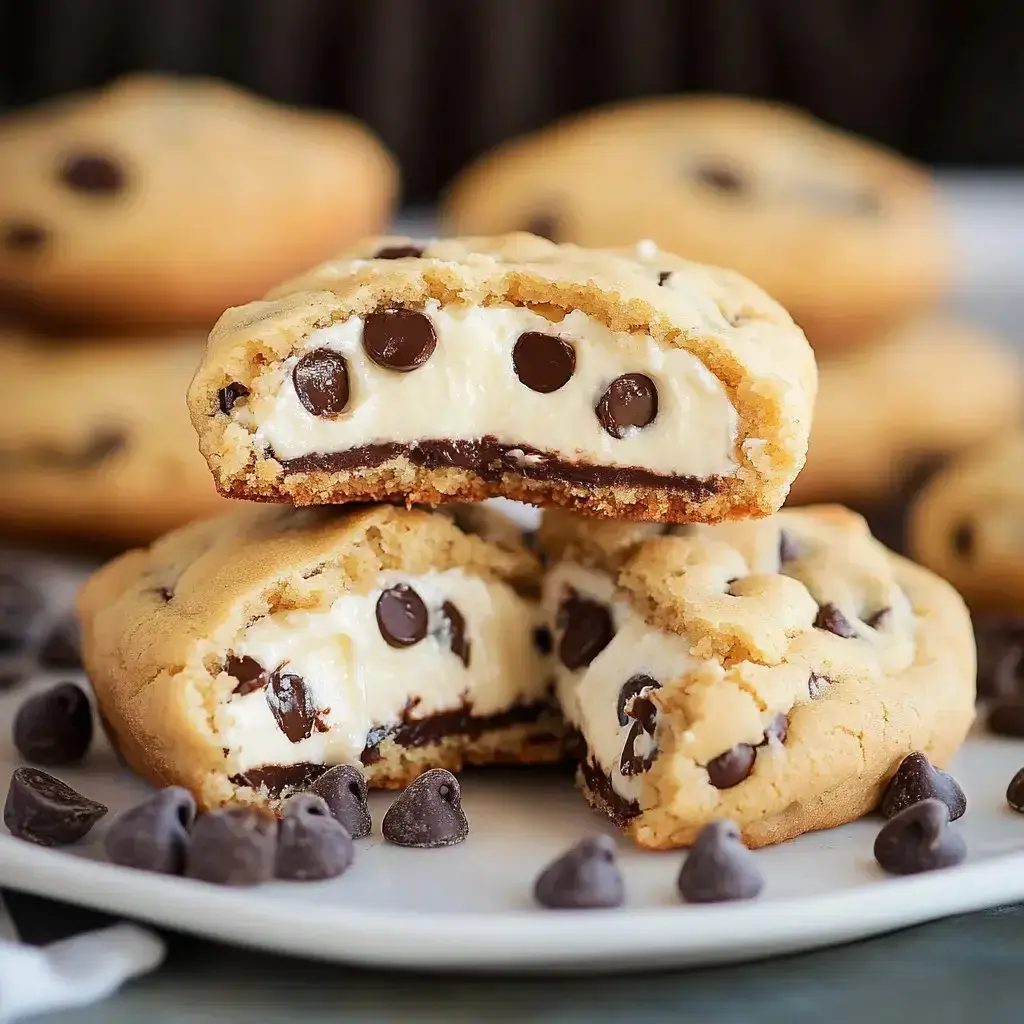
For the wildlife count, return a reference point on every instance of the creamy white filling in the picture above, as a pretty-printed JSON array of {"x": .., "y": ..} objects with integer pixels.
[
  {"x": 360, "y": 682},
  {"x": 469, "y": 389}
]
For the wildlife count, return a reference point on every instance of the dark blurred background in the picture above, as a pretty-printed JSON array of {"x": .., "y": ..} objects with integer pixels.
[{"x": 441, "y": 80}]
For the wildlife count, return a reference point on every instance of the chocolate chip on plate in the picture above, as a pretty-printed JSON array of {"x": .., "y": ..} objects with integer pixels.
[
  {"x": 719, "y": 867},
  {"x": 732, "y": 767},
  {"x": 311, "y": 843},
  {"x": 398, "y": 252},
  {"x": 235, "y": 846},
  {"x": 62, "y": 649},
  {"x": 919, "y": 839},
  {"x": 94, "y": 173},
  {"x": 918, "y": 779},
  {"x": 401, "y": 616},
  {"x": 428, "y": 813},
  {"x": 399, "y": 339},
  {"x": 455, "y": 628},
  {"x": 46, "y": 811},
  {"x": 543, "y": 362},
  {"x": 20, "y": 603},
  {"x": 344, "y": 790},
  {"x": 1015, "y": 792},
  {"x": 586, "y": 628},
  {"x": 630, "y": 403},
  {"x": 320, "y": 379},
  {"x": 229, "y": 394},
  {"x": 830, "y": 618},
  {"x": 292, "y": 705},
  {"x": 1000, "y": 644},
  {"x": 154, "y": 835},
  {"x": 585, "y": 877},
  {"x": 54, "y": 727},
  {"x": 1006, "y": 717}
]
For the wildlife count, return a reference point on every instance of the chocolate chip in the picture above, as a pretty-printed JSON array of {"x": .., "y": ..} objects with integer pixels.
[
  {"x": 630, "y": 688},
  {"x": 542, "y": 640},
  {"x": 251, "y": 675},
  {"x": 722, "y": 178},
  {"x": 94, "y": 173},
  {"x": 232, "y": 393},
  {"x": 719, "y": 867},
  {"x": 344, "y": 790},
  {"x": 428, "y": 814},
  {"x": 19, "y": 606},
  {"x": 544, "y": 224},
  {"x": 398, "y": 252},
  {"x": 1006, "y": 717},
  {"x": 919, "y": 839},
  {"x": 311, "y": 843},
  {"x": 645, "y": 711},
  {"x": 585, "y": 877},
  {"x": 1000, "y": 644},
  {"x": 236, "y": 846},
  {"x": 12, "y": 676},
  {"x": 154, "y": 835},
  {"x": 291, "y": 704},
  {"x": 664, "y": 276},
  {"x": 918, "y": 779},
  {"x": 320, "y": 378},
  {"x": 817, "y": 685},
  {"x": 732, "y": 767},
  {"x": 399, "y": 339},
  {"x": 1015, "y": 792},
  {"x": 401, "y": 616},
  {"x": 586, "y": 628},
  {"x": 778, "y": 729},
  {"x": 54, "y": 727},
  {"x": 789, "y": 550},
  {"x": 543, "y": 362},
  {"x": 631, "y": 401},
  {"x": 62, "y": 649},
  {"x": 880, "y": 619},
  {"x": 46, "y": 811},
  {"x": 455, "y": 629},
  {"x": 631, "y": 762},
  {"x": 165, "y": 593},
  {"x": 830, "y": 618},
  {"x": 23, "y": 236},
  {"x": 961, "y": 539}
]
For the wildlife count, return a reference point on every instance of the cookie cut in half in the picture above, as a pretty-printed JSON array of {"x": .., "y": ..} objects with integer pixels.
[
  {"x": 241, "y": 657},
  {"x": 774, "y": 673},
  {"x": 635, "y": 384}
]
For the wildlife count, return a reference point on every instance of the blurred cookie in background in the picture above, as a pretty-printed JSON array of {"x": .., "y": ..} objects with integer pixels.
[
  {"x": 845, "y": 234},
  {"x": 95, "y": 440},
  {"x": 967, "y": 524},
  {"x": 160, "y": 201}
]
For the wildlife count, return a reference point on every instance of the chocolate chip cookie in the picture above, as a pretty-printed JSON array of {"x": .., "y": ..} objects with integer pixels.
[
  {"x": 772, "y": 672},
  {"x": 157, "y": 202},
  {"x": 968, "y": 525},
  {"x": 95, "y": 440},
  {"x": 924, "y": 390},
  {"x": 845, "y": 234},
  {"x": 629, "y": 384},
  {"x": 243, "y": 656}
]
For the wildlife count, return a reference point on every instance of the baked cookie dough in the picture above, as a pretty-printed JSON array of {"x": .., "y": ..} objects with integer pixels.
[
  {"x": 242, "y": 656},
  {"x": 885, "y": 413},
  {"x": 628, "y": 384},
  {"x": 845, "y": 234},
  {"x": 968, "y": 525},
  {"x": 771, "y": 672},
  {"x": 158, "y": 201},
  {"x": 95, "y": 440}
]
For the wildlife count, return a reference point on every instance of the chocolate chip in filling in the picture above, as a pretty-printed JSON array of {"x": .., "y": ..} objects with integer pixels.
[
  {"x": 93, "y": 173},
  {"x": 320, "y": 378},
  {"x": 399, "y": 339},
  {"x": 631, "y": 401},
  {"x": 251, "y": 675},
  {"x": 543, "y": 362},
  {"x": 586, "y": 628},
  {"x": 830, "y": 618},
  {"x": 630, "y": 688},
  {"x": 230, "y": 394},
  {"x": 401, "y": 616},
  {"x": 292, "y": 705},
  {"x": 455, "y": 627},
  {"x": 398, "y": 252}
]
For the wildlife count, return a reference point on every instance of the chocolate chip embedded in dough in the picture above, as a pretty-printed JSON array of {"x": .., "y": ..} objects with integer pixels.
[
  {"x": 343, "y": 788},
  {"x": 320, "y": 379},
  {"x": 291, "y": 704},
  {"x": 154, "y": 835},
  {"x": 311, "y": 843},
  {"x": 236, "y": 846},
  {"x": 830, "y": 618},
  {"x": 428, "y": 813},
  {"x": 455, "y": 627},
  {"x": 630, "y": 688},
  {"x": 54, "y": 727},
  {"x": 722, "y": 178},
  {"x": 251, "y": 675},
  {"x": 719, "y": 867},
  {"x": 732, "y": 767},
  {"x": 399, "y": 339},
  {"x": 229, "y": 394},
  {"x": 586, "y": 628},
  {"x": 398, "y": 252},
  {"x": 919, "y": 839},
  {"x": 631, "y": 402},
  {"x": 401, "y": 616},
  {"x": 543, "y": 362},
  {"x": 23, "y": 236},
  {"x": 93, "y": 173},
  {"x": 544, "y": 224},
  {"x": 962, "y": 539},
  {"x": 585, "y": 877},
  {"x": 46, "y": 811},
  {"x": 918, "y": 779}
]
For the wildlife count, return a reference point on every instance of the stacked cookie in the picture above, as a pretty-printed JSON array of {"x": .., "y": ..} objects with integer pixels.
[
  {"x": 699, "y": 654},
  {"x": 129, "y": 219}
]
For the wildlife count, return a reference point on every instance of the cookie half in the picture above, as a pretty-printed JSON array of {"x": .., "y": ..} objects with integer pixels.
[
  {"x": 773, "y": 673},
  {"x": 627, "y": 384},
  {"x": 242, "y": 656}
]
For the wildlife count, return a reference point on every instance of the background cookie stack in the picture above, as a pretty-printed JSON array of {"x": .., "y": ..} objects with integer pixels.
[{"x": 129, "y": 219}]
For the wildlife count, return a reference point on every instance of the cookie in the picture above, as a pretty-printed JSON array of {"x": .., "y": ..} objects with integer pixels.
[
  {"x": 242, "y": 656},
  {"x": 95, "y": 441},
  {"x": 772, "y": 672},
  {"x": 968, "y": 525},
  {"x": 158, "y": 201},
  {"x": 845, "y": 234},
  {"x": 887, "y": 413},
  {"x": 627, "y": 384}
]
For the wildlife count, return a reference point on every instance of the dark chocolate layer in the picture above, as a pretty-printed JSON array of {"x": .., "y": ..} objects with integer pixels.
[
  {"x": 489, "y": 459},
  {"x": 619, "y": 809}
]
